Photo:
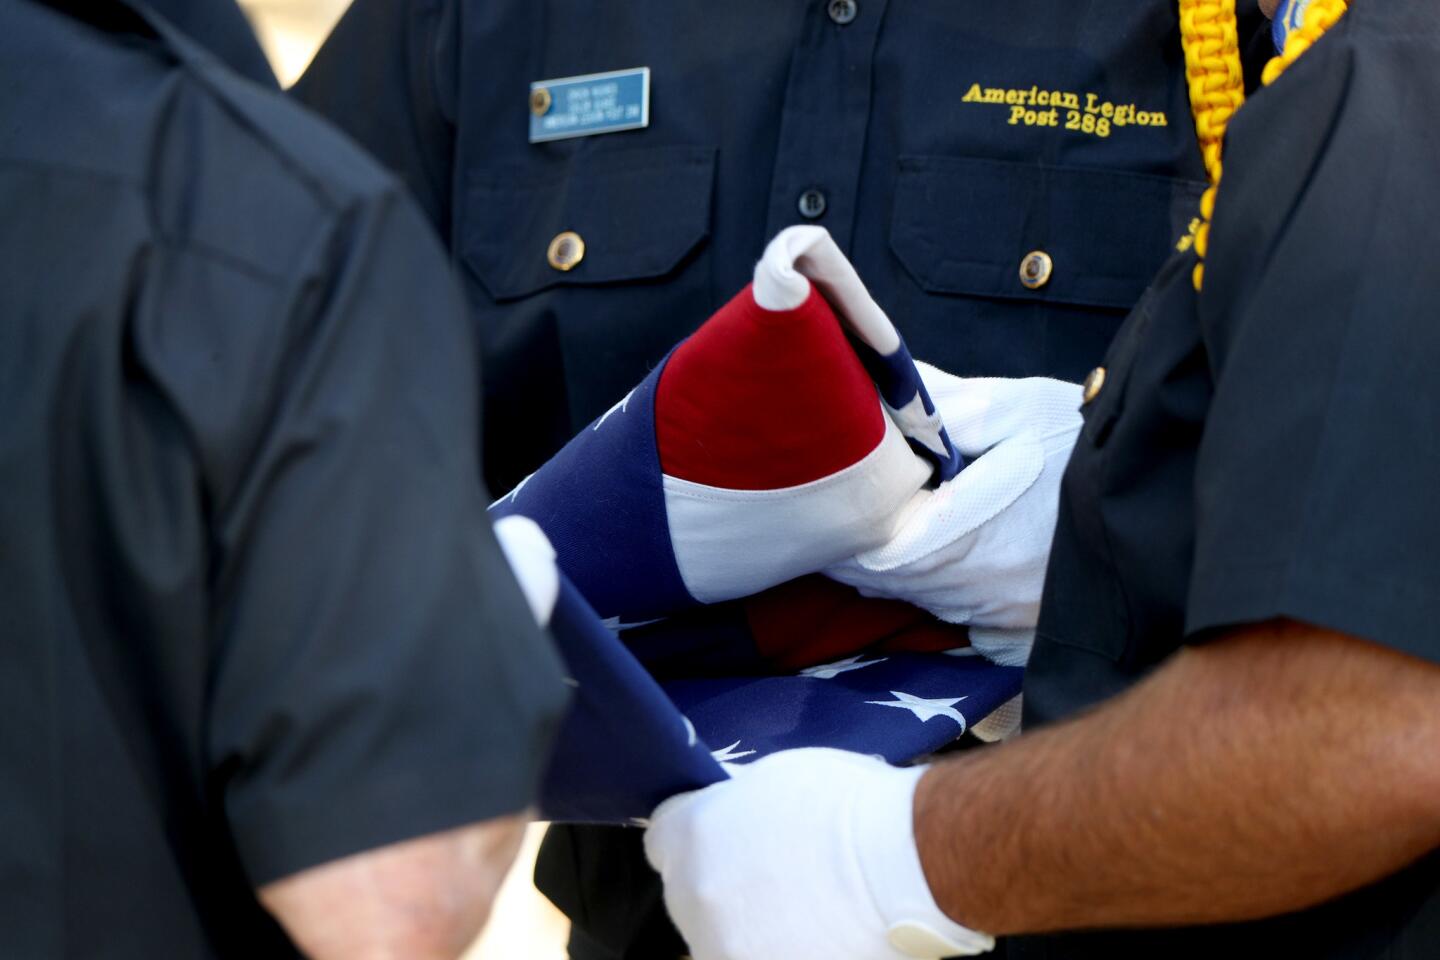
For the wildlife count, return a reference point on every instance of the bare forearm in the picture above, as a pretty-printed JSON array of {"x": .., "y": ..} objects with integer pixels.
[
  {"x": 1262, "y": 773},
  {"x": 424, "y": 899}
]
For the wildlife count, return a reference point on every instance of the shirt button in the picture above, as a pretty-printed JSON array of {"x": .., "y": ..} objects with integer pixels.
[
  {"x": 1094, "y": 383},
  {"x": 566, "y": 251},
  {"x": 843, "y": 11},
  {"x": 812, "y": 204},
  {"x": 1035, "y": 269}
]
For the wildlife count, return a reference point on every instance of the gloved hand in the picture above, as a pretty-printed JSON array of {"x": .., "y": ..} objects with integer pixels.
[
  {"x": 974, "y": 550},
  {"x": 532, "y": 560},
  {"x": 787, "y": 433},
  {"x": 804, "y": 854}
]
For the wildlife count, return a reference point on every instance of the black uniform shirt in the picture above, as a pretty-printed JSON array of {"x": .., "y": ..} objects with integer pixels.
[
  {"x": 220, "y": 27},
  {"x": 892, "y": 117},
  {"x": 939, "y": 142},
  {"x": 252, "y": 617},
  {"x": 1268, "y": 448}
]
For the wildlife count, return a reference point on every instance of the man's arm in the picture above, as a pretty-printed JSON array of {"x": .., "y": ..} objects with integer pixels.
[
  {"x": 1265, "y": 772},
  {"x": 384, "y": 701},
  {"x": 424, "y": 898}
]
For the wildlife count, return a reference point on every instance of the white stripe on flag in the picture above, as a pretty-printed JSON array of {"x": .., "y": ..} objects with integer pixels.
[{"x": 732, "y": 543}]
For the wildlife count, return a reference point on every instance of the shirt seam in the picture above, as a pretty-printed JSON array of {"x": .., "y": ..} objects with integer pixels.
[
  {"x": 1289, "y": 575},
  {"x": 159, "y": 238}
]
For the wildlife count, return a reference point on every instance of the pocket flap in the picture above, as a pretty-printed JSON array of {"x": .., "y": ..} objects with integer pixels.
[
  {"x": 964, "y": 226},
  {"x": 639, "y": 213}
]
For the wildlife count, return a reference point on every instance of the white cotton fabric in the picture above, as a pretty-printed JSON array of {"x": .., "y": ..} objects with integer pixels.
[
  {"x": 974, "y": 551},
  {"x": 532, "y": 559},
  {"x": 804, "y": 855},
  {"x": 714, "y": 531},
  {"x": 1003, "y": 724},
  {"x": 799, "y": 256},
  {"x": 1008, "y": 648}
]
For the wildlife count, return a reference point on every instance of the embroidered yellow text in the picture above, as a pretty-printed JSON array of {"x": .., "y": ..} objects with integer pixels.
[{"x": 1084, "y": 113}]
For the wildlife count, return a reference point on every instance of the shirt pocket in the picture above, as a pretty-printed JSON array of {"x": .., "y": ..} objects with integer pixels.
[
  {"x": 966, "y": 226},
  {"x": 639, "y": 213}
]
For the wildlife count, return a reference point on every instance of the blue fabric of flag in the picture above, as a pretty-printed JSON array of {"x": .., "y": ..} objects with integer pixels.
[
  {"x": 623, "y": 746},
  {"x": 898, "y": 380},
  {"x": 601, "y": 502},
  {"x": 629, "y": 741},
  {"x": 897, "y": 706}
]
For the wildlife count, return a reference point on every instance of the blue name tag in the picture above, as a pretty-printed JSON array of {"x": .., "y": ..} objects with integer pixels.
[{"x": 594, "y": 103}]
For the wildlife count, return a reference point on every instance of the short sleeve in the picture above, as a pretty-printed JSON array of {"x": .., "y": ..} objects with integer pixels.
[
  {"x": 220, "y": 27},
  {"x": 377, "y": 675},
  {"x": 387, "y": 76},
  {"x": 1317, "y": 478}
]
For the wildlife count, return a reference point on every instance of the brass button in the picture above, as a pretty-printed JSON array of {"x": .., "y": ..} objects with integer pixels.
[
  {"x": 1035, "y": 269},
  {"x": 566, "y": 251},
  {"x": 1094, "y": 383},
  {"x": 540, "y": 101}
]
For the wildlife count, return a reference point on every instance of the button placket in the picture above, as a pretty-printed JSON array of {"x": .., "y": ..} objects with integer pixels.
[{"x": 826, "y": 118}]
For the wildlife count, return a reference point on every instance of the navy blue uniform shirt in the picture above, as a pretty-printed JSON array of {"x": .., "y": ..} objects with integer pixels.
[
  {"x": 220, "y": 27},
  {"x": 940, "y": 142},
  {"x": 1267, "y": 449},
  {"x": 252, "y": 617}
]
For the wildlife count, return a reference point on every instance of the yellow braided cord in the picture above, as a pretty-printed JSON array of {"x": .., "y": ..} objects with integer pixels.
[
  {"x": 1211, "y": 39},
  {"x": 1320, "y": 16}
]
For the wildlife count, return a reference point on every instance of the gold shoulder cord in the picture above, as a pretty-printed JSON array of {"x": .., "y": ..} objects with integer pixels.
[{"x": 1211, "y": 39}]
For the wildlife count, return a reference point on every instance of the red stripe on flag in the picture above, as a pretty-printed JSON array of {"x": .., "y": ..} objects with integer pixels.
[
  {"x": 761, "y": 400},
  {"x": 814, "y": 620}
]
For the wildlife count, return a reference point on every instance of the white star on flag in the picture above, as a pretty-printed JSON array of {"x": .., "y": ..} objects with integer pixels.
[
  {"x": 622, "y": 407},
  {"x": 617, "y": 625},
  {"x": 514, "y": 493},
  {"x": 726, "y": 756},
  {"x": 829, "y": 671},
  {"x": 923, "y": 709},
  {"x": 915, "y": 423}
]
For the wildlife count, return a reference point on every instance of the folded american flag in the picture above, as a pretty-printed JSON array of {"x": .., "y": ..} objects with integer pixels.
[
  {"x": 779, "y": 439},
  {"x": 630, "y": 740}
]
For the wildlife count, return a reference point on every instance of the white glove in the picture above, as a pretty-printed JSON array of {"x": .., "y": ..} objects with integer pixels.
[
  {"x": 532, "y": 560},
  {"x": 805, "y": 854},
  {"x": 974, "y": 551}
]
